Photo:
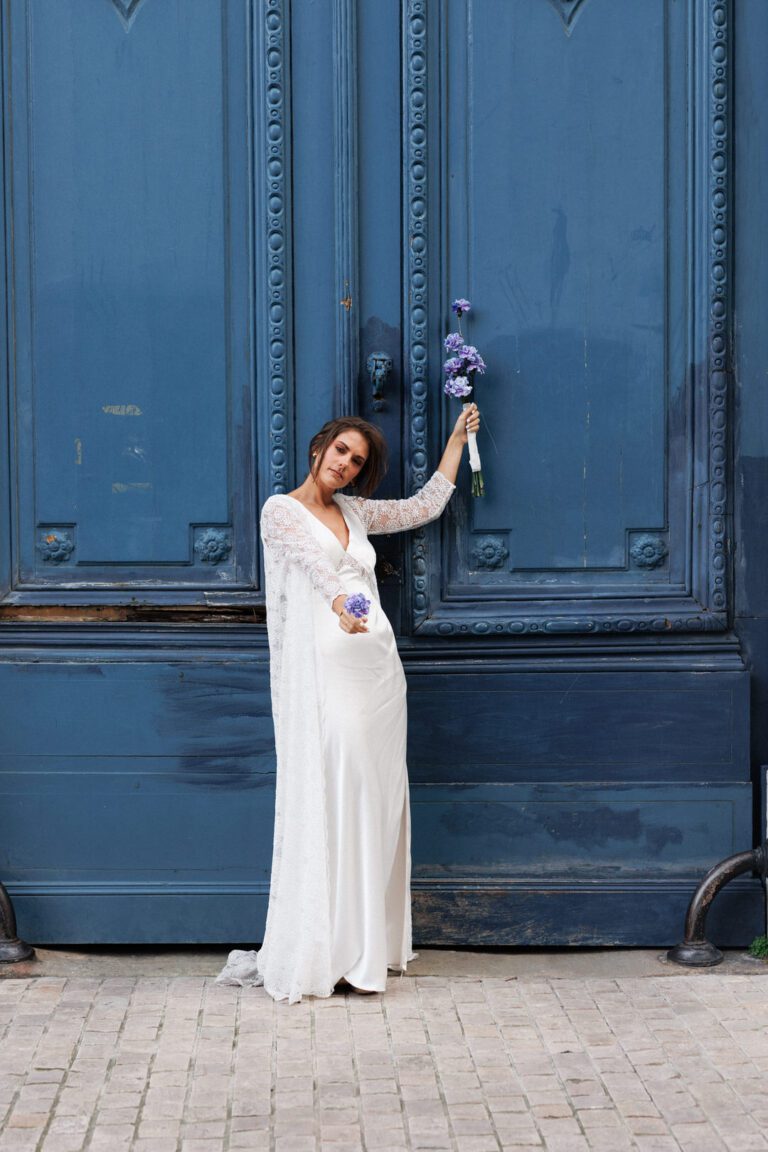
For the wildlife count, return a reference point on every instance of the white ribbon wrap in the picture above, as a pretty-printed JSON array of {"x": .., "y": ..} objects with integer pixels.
[{"x": 474, "y": 455}]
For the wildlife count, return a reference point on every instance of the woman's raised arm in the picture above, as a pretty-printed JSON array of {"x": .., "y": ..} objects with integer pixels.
[{"x": 380, "y": 516}]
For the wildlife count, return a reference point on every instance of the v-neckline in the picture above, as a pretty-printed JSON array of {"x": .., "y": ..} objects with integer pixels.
[{"x": 324, "y": 525}]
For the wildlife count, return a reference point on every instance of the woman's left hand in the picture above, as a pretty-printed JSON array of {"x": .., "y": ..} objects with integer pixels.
[{"x": 468, "y": 421}]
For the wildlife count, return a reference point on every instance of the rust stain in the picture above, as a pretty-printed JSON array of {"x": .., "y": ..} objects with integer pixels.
[{"x": 190, "y": 613}]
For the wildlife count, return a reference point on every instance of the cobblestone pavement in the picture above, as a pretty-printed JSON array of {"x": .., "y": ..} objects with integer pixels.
[{"x": 179, "y": 1064}]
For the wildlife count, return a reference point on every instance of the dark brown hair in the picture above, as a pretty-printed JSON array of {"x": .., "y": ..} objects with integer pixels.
[{"x": 372, "y": 472}]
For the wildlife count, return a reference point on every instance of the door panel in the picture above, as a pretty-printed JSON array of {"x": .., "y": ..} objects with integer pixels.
[
  {"x": 585, "y": 218},
  {"x": 129, "y": 196}
]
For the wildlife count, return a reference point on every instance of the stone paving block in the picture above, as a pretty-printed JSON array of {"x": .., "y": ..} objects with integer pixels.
[
  {"x": 18, "y": 1140},
  {"x": 104, "y": 1139},
  {"x": 744, "y": 1142},
  {"x": 657, "y": 1144},
  {"x": 373, "y": 1087},
  {"x": 552, "y": 1110},
  {"x": 520, "y": 1129},
  {"x": 602, "y": 1140},
  {"x": 118, "y": 1115},
  {"x": 21, "y": 1119},
  {"x": 647, "y": 1126},
  {"x": 500, "y": 1105},
  {"x": 62, "y": 1142},
  {"x": 249, "y": 1140},
  {"x": 337, "y": 1117},
  {"x": 521, "y": 1147},
  {"x": 525, "y": 1144},
  {"x": 383, "y": 1104},
  {"x": 386, "y": 1142},
  {"x": 636, "y": 1107}
]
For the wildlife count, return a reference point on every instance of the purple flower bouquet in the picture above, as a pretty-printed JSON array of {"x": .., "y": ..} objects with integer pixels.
[
  {"x": 461, "y": 366},
  {"x": 357, "y": 605}
]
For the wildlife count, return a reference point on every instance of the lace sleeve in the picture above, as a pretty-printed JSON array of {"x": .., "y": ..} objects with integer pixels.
[
  {"x": 381, "y": 516},
  {"x": 289, "y": 539}
]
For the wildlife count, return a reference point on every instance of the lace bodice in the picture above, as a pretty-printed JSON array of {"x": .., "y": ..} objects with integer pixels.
[{"x": 285, "y": 532}]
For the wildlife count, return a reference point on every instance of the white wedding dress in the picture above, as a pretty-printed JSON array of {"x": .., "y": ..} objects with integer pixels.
[{"x": 340, "y": 899}]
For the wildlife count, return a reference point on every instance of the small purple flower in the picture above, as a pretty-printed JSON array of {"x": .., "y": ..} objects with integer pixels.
[
  {"x": 454, "y": 342},
  {"x": 357, "y": 605},
  {"x": 457, "y": 386},
  {"x": 472, "y": 358},
  {"x": 461, "y": 306},
  {"x": 454, "y": 365}
]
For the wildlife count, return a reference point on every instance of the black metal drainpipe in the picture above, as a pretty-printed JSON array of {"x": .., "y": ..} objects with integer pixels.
[
  {"x": 11, "y": 948},
  {"x": 695, "y": 950}
]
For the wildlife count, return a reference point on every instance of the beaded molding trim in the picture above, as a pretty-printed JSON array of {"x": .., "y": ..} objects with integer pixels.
[{"x": 275, "y": 216}]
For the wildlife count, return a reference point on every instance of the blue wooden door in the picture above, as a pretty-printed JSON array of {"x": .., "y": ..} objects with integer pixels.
[
  {"x": 215, "y": 214},
  {"x": 566, "y": 629}
]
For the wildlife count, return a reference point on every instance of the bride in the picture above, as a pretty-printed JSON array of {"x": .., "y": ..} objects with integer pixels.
[{"x": 339, "y": 909}]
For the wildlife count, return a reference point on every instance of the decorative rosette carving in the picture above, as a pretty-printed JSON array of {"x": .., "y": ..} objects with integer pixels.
[
  {"x": 213, "y": 545},
  {"x": 489, "y": 552},
  {"x": 649, "y": 551},
  {"x": 56, "y": 545}
]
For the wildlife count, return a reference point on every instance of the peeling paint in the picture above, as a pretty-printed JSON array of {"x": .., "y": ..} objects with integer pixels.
[{"x": 121, "y": 409}]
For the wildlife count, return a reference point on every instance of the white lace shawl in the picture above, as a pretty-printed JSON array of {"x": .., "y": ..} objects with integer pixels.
[{"x": 295, "y": 958}]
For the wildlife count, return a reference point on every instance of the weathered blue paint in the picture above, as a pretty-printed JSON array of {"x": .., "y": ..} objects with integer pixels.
[
  {"x": 579, "y": 747},
  {"x": 129, "y": 202},
  {"x": 151, "y": 782}
]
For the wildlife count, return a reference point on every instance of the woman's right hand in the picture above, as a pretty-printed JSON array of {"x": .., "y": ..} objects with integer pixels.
[{"x": 348, "y": 622}]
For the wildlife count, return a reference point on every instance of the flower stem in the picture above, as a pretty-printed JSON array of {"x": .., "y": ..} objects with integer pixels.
[{"x": 478, "y": 487}]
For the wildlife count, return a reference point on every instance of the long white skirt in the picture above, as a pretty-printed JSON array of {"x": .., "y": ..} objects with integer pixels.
[
  {"x": 368, "y": 811},
  {"x": 364, "y": 721}
]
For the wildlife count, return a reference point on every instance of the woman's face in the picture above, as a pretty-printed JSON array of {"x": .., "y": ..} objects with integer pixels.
[{"x": 344, "y": 457}]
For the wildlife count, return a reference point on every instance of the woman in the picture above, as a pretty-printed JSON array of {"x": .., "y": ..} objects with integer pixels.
[{"x": 339, "y": 902}]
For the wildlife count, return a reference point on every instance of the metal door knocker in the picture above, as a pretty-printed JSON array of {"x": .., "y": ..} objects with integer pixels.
[{"x": 379, "y": 366}]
